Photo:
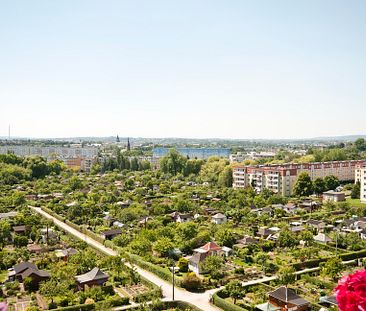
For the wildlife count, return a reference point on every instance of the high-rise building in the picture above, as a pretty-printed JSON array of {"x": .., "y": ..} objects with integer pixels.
[
  {"x": 360, "y": 176},
  {"x": 281, "y": 178}
]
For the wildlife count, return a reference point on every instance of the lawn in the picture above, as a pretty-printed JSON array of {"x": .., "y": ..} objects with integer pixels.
[{"x": 355, "y": 202}]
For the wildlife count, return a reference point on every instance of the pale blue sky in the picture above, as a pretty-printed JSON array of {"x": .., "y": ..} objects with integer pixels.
[{"x": 192, "y": 68}]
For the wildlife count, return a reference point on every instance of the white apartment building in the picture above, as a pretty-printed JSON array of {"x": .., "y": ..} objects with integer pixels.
[
  {"x": 281, "y": 178},
  {"x": 360, "y": 176}
]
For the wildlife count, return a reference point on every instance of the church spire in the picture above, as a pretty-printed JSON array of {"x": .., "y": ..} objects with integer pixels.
[{"x": 128, "y": 144}]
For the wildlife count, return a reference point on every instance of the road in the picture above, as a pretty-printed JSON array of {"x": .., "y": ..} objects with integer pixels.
[{"x": 200, "y": 300}]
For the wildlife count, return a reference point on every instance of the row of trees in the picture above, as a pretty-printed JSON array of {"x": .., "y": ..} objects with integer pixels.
[
  {"x": 304, "y": 186},
  {"x": 215, "y": 170},
  {"x": 14, "y": 169}
]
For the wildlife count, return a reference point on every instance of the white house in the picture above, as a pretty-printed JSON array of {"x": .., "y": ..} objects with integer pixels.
[{"x": 219, "y": 219}]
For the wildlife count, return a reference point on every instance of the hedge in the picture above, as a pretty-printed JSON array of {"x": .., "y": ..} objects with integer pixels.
[
  {"x": 224, "y": 304},
  {"x": 315, "y": 262},
  {"x": 169, "y": 305},
  {"x": 159, "y": 271},
  {"x": 115, "y": 302}
]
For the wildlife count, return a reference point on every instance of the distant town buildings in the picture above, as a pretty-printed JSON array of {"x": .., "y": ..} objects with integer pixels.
[
  {"x": 281, "y": 178},
  {"x": 253, "y": 155},
  {"x": 75, "y": 156},
  {"x": 194, "y": 153}
]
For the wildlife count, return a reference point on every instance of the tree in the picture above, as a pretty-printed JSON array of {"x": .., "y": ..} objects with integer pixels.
[
  {"x": 332, "y": 267},
  {"x": 286, "y": 275},
  {"x": 226, "y": 177},
  {"x": 261, "y": 258},
  {"x": 213, "y": 266},
  {"x": 4, "y": 232},
  {"x": 235, "y": 290},
  {"x": 360, "y": 144},
  {"x": 173, "y": 162},
  {"x": 20, "y": 241},
  {"x": 303, "y": 186},
  {"x": 225, "y": 237},
  {"x": 331, "y": 182},
  {"x": 307, "y": 237},
  {"x": 318, "y": 186},
  {"x": 356, "y": 189},
  {"x": 287, "y": 239},
  {"x": 163, "y": 246}
]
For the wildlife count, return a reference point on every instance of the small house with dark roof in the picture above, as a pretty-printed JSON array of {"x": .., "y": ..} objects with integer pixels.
[
  {"x": 184, "y": 218},
  {"x": 94, "y": 277},
  {"x": 287, "y": 299},
  {"x": 318, "y": 225},
  {"x": 110, "y": 234},
  {"x": 21, "y": 229},
  {"x": 26, "y": 269},
  {"x": 35, "y": 248}
]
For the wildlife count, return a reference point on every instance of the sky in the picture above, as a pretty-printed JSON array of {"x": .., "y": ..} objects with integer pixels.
[{"x": 192, "y": 68}]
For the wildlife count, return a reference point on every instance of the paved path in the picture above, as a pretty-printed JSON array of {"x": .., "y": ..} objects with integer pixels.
[{"x": 200, "y": 300}]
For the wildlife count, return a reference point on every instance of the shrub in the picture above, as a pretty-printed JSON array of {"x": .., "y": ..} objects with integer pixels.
[{"x": 191, "y": 281}]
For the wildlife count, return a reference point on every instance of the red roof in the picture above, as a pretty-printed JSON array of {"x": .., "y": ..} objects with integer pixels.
[{"x": 211, "y": 246}]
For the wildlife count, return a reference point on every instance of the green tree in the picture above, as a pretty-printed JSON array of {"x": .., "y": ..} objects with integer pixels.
[
  {"x": 261, "y": 258},
  {"x": 360, "y": 144},
  {"x": 213, "y": 265},
  {"x": 286, "y": 275},
  {"x": 319, "y": 186},
  {"x": 303, "y": 186},
  {"x": 287, "y": 239},
  {"x": 225, "y": 237},
  {"x": 332, "y": 268},
  {"x": 356, "y": 189},
  {"x": 173, "y": 162},
  {"x": 163, "y": 246},
  {"x": 226, "y": 177},
  {"x": 235, "y": 290},
  {"x": 331, "y": 182},
  {"x": 4, "y": 232}
]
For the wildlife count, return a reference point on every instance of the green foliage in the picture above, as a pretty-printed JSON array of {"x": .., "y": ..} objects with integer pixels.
[
  {"x": 191, "y": 281},
  {"x": 173, "y": 163},
  {"x": 319, "y": 186},
  {"x": 332, "y": 268},
  {"x": 213, "y": 265},
  {"x": 286, "y": 275},
  {"x": 163, "y": 246},
  {"x": 331, "y": 182},
  {"x": 356, "y": 189},
  {"x": 183, "y": 264},
  {"x": 235, "y": 290},
  {"x": 224, "y": 304},
  {"x": 287, "y": 239},
  {"x": 4, "y": 232},
  {"x": 303, "y": 186}
]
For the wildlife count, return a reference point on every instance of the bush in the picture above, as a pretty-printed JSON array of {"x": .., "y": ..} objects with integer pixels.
[
  {"x": 191, "y": 281},
  {"x": 183, "y": 264}
]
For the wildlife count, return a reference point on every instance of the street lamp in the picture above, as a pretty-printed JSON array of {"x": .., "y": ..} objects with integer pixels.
[{"x": 173, "y": 271}]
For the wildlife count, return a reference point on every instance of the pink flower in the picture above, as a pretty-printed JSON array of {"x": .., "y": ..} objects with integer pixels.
[{"x": 351, "y": 292}]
